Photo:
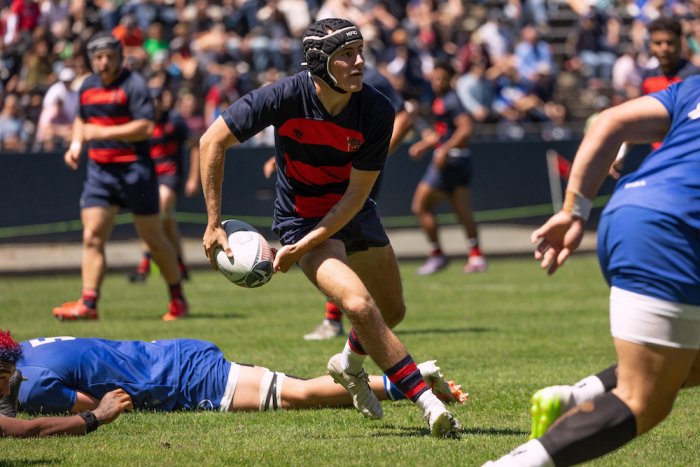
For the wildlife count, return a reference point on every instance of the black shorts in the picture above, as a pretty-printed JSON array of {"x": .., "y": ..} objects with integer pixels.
[
  {"x": 131, "y": 185},
  {"x": 457, "y": 172},
  {"x": 364, "y": 231}
]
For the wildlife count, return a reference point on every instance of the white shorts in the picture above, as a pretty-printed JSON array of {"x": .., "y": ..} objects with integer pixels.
[
  {"x": 231, "y": 384},
  {"x": 647, "y": 320}
]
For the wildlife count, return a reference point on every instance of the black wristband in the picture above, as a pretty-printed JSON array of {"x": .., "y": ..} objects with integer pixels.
[{"x": 91, "y": 422}]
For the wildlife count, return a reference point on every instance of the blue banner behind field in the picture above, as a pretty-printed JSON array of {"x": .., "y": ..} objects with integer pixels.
[{"x": 40, "y": 195}]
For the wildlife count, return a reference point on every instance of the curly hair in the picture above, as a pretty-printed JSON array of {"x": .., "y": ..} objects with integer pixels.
[{"x": 10, "y": 351}]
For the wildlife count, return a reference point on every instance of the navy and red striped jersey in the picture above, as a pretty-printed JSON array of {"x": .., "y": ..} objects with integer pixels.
[
  {"x": 655, "y": 80},
  {"x": 125, "y": 100},
  {"x": 170, "y": 134},
  {"x": 315, "y": 151},
  {"x": 446, "y": 109}
]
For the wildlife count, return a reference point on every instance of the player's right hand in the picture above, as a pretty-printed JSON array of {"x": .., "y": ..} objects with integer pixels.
[
  {"x": 112, "y": 404},
  {"x": 558, "y": 238},
  {"x": 72, "y": 157},
  {"x": 215, "y": 236}
]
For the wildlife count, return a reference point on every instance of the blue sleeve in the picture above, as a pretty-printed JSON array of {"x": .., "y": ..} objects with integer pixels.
[
  {"x": 44, "y": 392},
  {"x": 254, "y": 112},
  {"x": 382, "y": 84},
  {"x": 668, "y": 96},
  {"x": 140, "y": 103}
]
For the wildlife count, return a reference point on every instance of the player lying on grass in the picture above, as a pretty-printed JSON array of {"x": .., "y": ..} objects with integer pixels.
[
  {"x": 111, "y": 405},
  {"x": 64, "y": 374}
]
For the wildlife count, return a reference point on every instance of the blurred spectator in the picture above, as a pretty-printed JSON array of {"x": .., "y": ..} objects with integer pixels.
[
  {"x": 222, "y": 94},
  {"x": 13, "y": 134},
  {"x": 21, "y": 20},
  {"x": 532, "y": 55},
  {"x": 627, "y": 74},
  {"x": 155, "y": 40},
  {"x": 592, "y": 48},
  {"x": 496, "y": 36},
  {"x": 476, "y": 92}
]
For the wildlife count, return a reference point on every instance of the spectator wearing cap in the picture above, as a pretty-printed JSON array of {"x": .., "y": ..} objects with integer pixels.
[{"x": 59, "y": 108}]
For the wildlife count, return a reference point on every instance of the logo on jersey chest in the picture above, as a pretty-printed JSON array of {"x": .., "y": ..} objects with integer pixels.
[
  {"x": 354, "y": 144},
  {"x": 695, "y": 114}
]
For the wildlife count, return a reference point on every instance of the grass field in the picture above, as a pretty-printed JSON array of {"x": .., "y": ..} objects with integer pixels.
[{"x": 502, "y": 334}]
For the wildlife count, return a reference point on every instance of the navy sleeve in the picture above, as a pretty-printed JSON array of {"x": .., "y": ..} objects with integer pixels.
[
  {"x": 140, "y": 103},
  {"x": 454, "y": 106},
  {"x": 379, "y": 121},
  {"x": 382, "y": 84},
  {"x": 254, "y": 112}
]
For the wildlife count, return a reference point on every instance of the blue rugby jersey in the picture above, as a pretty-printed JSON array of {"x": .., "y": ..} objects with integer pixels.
[
  {"x": 669, "y": 178},
  {"x": 161, "y": 375},
  {"x": 124, "y": 100},
  {"x": 315, "y": 151}
]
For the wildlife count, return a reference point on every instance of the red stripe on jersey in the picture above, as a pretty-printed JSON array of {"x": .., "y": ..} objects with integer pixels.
[
  {"x": 312, "y": 175},
  {"x": 97, "y": 96},
  {"x": 166, "y": 167},
  {"x": 322, "y": 133},
  {"x": 108, "y": 121},
  {"x": 111, "y": 156},
  {"x": 161, "y": 150},
  {"x": 658, "y": 83},
  {"x": 315, "y": 206}
]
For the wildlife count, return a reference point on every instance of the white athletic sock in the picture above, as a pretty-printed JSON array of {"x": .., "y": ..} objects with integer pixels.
[
  {"x": 587, "y": 389},
  {"x": 350, "y": 361},
  {"x": 427, "y": 399},
  {"x": 530, "y": 454}
]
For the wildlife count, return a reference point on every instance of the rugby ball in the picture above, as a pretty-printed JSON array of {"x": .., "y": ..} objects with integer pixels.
[{"x": 251, "y": 265}]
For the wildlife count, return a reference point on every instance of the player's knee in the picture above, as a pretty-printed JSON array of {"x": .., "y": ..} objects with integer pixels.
[
  {"x": 359, "y": 307},
  {"x": 649, "y": 410},
  {"x": 92, "y": 240}
]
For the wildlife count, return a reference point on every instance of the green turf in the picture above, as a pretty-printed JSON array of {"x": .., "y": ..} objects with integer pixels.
[{"x": 502, "y": 334}]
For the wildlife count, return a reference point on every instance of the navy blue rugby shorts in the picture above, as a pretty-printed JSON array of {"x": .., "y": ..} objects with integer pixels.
[
  {"x": 363, "y": 232},
  {"x": 132, "y": 185}
]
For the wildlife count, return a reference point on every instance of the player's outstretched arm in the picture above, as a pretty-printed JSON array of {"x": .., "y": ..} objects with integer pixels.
[
  {"x": 112, "y": 404},
  {"x": 640, "y": 120}
]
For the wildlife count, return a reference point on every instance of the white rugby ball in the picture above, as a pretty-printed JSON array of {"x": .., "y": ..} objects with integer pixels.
[{"x": 251, "y": 265}]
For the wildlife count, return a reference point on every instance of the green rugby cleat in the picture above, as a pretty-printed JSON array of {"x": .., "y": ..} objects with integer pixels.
[{"x": 546, "y": 406}]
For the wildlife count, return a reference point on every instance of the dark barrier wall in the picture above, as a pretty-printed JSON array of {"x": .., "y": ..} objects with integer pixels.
[{"x": 40, "y": 195}]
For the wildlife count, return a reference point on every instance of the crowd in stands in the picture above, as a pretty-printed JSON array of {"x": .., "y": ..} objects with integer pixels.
[{"x": 513, "y": 73}]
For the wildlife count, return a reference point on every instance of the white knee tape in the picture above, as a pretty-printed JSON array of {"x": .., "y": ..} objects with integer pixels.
[{"x": 271, "y": 390}]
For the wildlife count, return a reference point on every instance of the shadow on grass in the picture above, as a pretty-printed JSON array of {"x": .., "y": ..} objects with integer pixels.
[
  {"x": 42, "y": 461},
  {"x": 192, "y": 317},
  {"x": 390, "y": 431},
  {"x": 472, "y": 330}
]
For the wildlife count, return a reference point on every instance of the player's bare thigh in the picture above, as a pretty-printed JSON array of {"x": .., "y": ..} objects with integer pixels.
[
  {"x": 327, "y": 267},
  {"x": 97, "y": 222},
  {"x": 247, "y": 393},
  {"x": 168, "y": 200},
  {"x": 379, "y": 271},
  {"x": 649, "y": 377}
]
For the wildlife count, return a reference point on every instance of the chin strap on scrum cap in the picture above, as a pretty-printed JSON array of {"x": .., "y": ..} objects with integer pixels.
[{"x": 321, "y": 40}]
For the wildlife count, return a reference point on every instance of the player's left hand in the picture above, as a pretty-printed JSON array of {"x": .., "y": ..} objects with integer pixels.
[
  {"x": 558, "y": 238},
  {"x": 286, "y": 257},
  {"x": 192, "y": 187}
]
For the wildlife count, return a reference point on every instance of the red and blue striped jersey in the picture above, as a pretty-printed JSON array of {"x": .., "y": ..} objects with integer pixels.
[
  {"x": 123, "y": 101},
  {"x": 315, "y": 151},
  {"x": 446, "y": 109},
  {"x": 167, "y": 144}
]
